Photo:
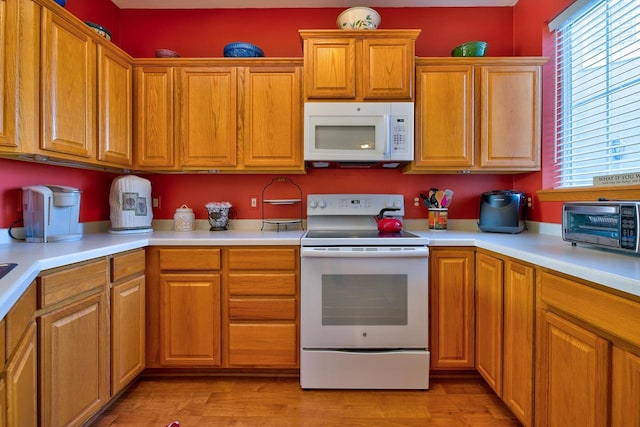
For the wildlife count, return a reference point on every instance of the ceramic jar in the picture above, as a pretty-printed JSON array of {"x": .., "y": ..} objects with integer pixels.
[{"x": 183, "y": 219}]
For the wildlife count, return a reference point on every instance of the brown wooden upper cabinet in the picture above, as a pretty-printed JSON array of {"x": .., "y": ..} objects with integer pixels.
[
  {"x": 68, "y": 90},
  {"x": 359, "y": 65},
  {"x": 478, "y": 114},
  {"x": 8, "y": 73},
  {"x": 244, "y": 115}
]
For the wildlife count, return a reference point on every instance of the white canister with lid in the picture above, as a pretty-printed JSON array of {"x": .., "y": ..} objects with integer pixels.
[{"x": 183, "y": 219}]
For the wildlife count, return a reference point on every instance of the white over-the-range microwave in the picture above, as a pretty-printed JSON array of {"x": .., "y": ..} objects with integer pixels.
[{"x": 355, "y": 132}]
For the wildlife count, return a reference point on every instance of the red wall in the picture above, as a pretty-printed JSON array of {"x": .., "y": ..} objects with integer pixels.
[
  {"x": 101, "y": 12},
  {"x": 532, "y": 37},
  {"x": 203, "y": 33},
  {"x": 94, "y": 201},
  {"x": 196, "y": 190}
]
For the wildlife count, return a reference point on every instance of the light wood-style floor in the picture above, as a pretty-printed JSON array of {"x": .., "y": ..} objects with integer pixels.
[{"x": 216, "y": 401}]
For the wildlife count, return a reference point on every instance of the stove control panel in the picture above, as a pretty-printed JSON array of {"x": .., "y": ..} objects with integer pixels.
[{"x": 354, "y": 204}]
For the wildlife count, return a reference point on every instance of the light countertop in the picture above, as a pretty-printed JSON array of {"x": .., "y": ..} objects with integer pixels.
[{"x": 616, "y": 271}]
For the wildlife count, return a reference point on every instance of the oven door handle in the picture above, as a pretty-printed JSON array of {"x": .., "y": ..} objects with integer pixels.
[{"x": 403, "y": 252}]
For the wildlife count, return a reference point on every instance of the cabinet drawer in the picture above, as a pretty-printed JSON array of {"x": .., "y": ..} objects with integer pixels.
[
  {"x": 263, "y": 259},
  {"x": 613, "y": 314},
  {"x": 262, "y": 309},
  {"x": 190, "y": 259},
  {"x": 69, "y": 282},
  {"x": 257, "y": 344},
  {"x": 127, "y": 264},
  {"x": 19, "y": 318},
  {"x": 263, "y": 284}
]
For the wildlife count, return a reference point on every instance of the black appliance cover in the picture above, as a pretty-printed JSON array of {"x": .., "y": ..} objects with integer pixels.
[{"x": 502, "y": 211}]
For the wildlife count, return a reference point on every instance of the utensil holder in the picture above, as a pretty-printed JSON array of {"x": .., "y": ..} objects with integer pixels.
[{"x": 438, "y": 218}]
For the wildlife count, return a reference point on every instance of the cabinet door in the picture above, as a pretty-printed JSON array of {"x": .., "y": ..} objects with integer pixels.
[
  {"x": 489, "y": 279},
  {"x": 625, "y": 389},
  {"x": 387, "y": 68},
  {"x": 444, "y": 117},
  {"x": 518, "y": 326},
  {"x": 115, "y": 107},
  {"x": 127, "y": 332},
  {"x": 510, "y": 117},
  {"x": 206, "y": 111},
  {"x": 272, "y": 112},
  {"x": 153, "y": 136},
  {"x": 8, "y": 74},
  {"x": 451, "y": 307},
  {"x": 330, "y": 68},
  {"x": 22, "y": 382},
  {"x": 190, "y": 319},
  {"x": 573, "y": 388},
  {"x": 68, "y": 88},
  {"x": 74, "y": 360}
]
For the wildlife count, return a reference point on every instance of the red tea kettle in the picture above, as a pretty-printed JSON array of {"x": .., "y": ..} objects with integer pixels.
[{"x": 388, "y": 225}]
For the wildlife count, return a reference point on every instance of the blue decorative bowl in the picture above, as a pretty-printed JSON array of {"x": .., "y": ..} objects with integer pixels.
[
  {"x": 61, "y": 2},
  {"x": 240, "y": 49}
]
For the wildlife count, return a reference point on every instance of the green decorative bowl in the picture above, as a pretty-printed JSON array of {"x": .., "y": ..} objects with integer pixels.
[{"x": 476, "y": 48}]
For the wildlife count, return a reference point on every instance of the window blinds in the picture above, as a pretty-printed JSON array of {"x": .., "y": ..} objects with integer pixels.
[{"x": 597, "y": 92}]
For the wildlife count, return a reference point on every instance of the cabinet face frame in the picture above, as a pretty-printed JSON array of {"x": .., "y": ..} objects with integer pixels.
[{"x": 357, "y": 66}]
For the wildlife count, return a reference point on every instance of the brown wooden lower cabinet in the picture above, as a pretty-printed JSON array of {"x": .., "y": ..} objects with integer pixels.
[
  {"x": 74, "y": 343},
  {"x": 127, "y": 318},
  {"x": 505, "y": 318},
  {"x": 262, "y": 300},
  {"x": 588, "y": 355},
  {"x": 21, "y": 382},
  {"x": 451, "y": 308},
  {"x": 625, "y": 388},
  {"x": 227, "y": 307},
  {"x": 574, "y": 375},
  {"x": 190, "y": 319}
]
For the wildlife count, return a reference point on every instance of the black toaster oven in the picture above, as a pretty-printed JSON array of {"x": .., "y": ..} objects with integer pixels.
[{"x": 502, "y": 211}]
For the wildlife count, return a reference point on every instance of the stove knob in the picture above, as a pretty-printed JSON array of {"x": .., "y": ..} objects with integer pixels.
[
  {"x": 313, "y": 204},
  {"x": 322, "y": 204}
]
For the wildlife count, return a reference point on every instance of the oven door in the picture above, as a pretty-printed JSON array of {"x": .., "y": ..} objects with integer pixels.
[{"x": 364, "y": 298}]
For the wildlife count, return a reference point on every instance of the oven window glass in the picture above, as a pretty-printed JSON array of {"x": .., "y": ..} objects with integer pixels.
[
  {"x": 601, "y": 224},
  {"x": 346, "y": 137},
  {"x": 364, "y": 299}
]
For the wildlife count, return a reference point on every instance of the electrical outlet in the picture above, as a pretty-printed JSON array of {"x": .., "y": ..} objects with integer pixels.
[
  {"x": 254, "y": 202},
  {"x": 530, "y": 202},
  {"x": 155, "y": 202},
  {"x": 416, "y": 201}
]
